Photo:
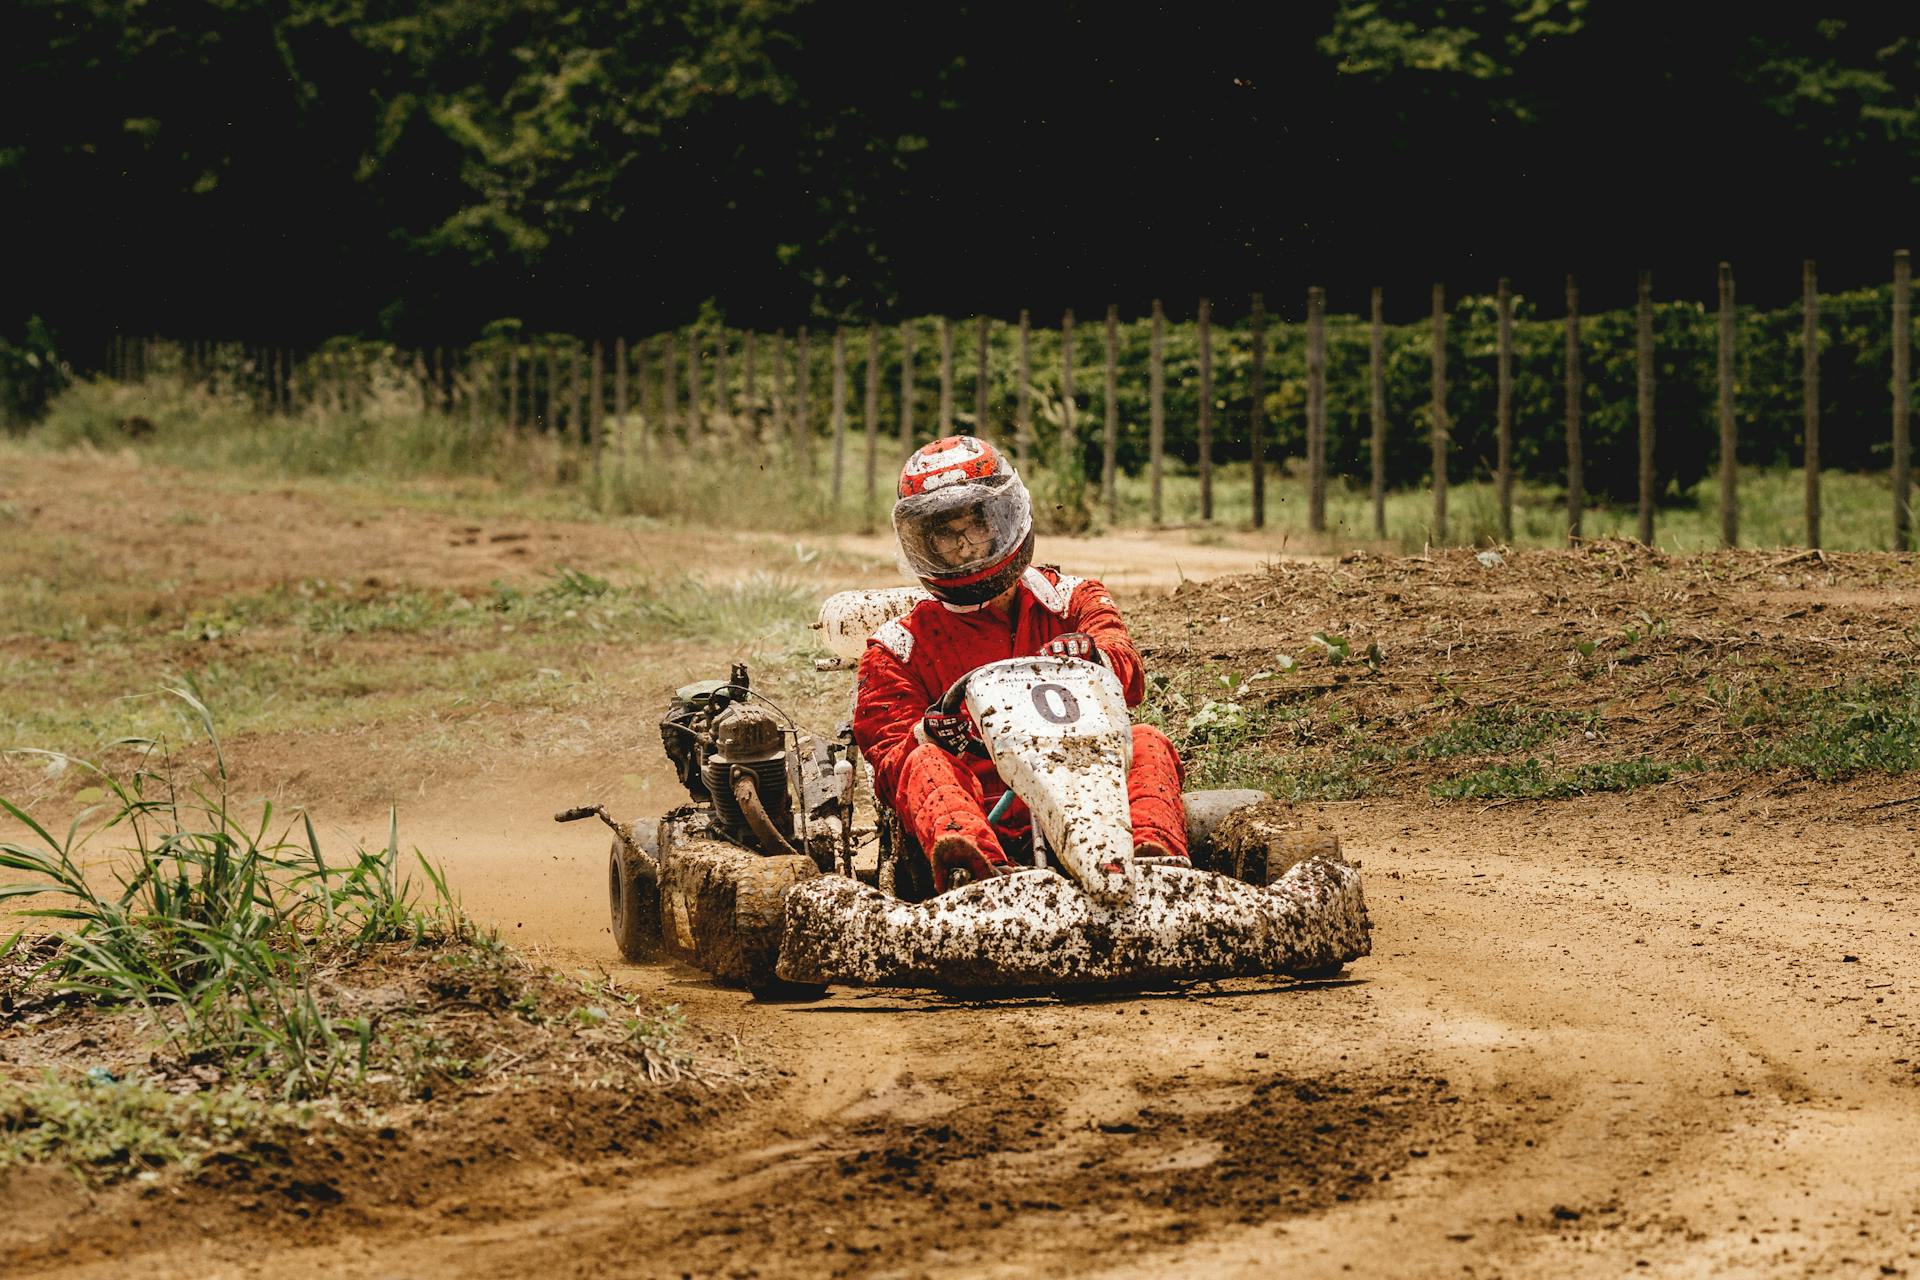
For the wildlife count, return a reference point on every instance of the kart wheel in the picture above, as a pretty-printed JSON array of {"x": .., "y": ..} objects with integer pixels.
[
  {"x": 634, "y": 898},
  {"x": 1266, "y": 864}
]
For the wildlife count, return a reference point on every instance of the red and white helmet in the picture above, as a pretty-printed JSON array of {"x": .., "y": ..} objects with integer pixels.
[{"x": 964, "y": 520}]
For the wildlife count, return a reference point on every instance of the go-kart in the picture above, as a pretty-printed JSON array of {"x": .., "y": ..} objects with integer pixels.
[{"x": 757, "y": 880}]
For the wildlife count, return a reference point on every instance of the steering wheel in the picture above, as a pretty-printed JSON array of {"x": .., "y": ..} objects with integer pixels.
[{"x": 952, "y": 702}]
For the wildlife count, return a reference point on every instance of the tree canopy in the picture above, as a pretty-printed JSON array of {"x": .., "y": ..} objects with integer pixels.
[{"x": 301, "y": 167}]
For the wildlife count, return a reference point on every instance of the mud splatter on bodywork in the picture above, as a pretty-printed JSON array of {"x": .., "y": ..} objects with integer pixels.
[{"x": 1037, "y": 929}]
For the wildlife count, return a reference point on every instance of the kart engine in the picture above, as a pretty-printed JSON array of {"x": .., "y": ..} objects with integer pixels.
[{"x": 717, "y": 742}]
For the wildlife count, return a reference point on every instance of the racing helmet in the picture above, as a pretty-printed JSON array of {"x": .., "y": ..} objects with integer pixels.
[{"x": 964, "y": 520}]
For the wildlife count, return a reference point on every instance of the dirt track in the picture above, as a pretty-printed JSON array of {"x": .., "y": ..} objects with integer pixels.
[
  {"x": 1651, "y": 1033},
  {"x": 1589, "y": 1038}
]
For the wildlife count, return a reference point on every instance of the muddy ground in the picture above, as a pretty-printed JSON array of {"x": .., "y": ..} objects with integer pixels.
[{"x": 1670, "y": 1030}]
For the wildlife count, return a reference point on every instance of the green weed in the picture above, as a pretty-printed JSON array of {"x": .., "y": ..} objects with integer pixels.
[
  {"x": 1489, "y": 731},
  {"x": 1532, "y": 780},
  {"x": 113, "y": 1129},
  {"x": 1830, "y": 735},
  {"x": 213, "y": 927}
]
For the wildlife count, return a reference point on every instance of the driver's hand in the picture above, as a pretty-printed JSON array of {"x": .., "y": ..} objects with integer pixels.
[
  {"x": 1074, "y": 644},
  {"x": 948, "y": 732}
]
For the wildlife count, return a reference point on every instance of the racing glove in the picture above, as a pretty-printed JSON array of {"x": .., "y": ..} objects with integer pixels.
[
  {"x": 1074, "y": 644},
  {"x": 948, "y": 732}
]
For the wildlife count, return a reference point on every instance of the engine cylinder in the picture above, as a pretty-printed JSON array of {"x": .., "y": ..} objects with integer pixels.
[
  {"x": 769, "y": 778},
  {"x": 748, "y": 737}
]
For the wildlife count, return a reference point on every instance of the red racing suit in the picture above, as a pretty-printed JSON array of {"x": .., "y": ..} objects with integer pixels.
[{"x": 909, "y": 664}]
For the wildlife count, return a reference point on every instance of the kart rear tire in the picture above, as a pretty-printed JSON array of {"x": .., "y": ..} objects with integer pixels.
[{"x": 634, "y": 901}]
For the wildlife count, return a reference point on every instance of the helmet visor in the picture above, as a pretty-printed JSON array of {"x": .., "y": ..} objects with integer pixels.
[{"x": 963, "y": 528}]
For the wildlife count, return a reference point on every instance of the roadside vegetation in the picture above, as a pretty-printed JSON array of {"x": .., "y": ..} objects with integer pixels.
[
  {"x": 1474, "y": 679},
  {"x": 742, "y": 476},
  {"x": 210, "y": 974},
  {"x": 1315, "y": 752}
]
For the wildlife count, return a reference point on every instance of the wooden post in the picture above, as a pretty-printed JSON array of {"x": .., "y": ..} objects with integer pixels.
[
  {"x": 591, "y": 431},
  {"x": 1440, "y": 423},
  {"x": 513, "y": 387},
  {"x": 1377, "y": 413},
  {"x": 724, "y": 416},
  {"x": 576, "y": 395},
  {"x": 946, "y": 376},
  {"x": 669, "y": 390},
  {"x": 1204, "y": 323},
  {"x": 750, "y": 385},
  {"x": 1810, "y": 392},
  {"x": 803, "y": 396},
  {"x": 839, "y": 410},
  {"x": 980, "y": 380},
  {"x": 696, "y": 396},
  {"x": 1069, "y": 460},
  {"x": 641, "y": 394},
  {"x": 620, "y": 408},
  {"x": 1576, "y": 472},
  {"x": 906, "y": 387},
  {"x": 1257, "y": 409},
  {"x": 777, "y": 392},
  {"x": 1503, "y": 408},
  {"x": 1110, "y": 450},
  {"x": 872, "y": 414},
  {"x": 1023, "y": 398},
  {"x": 1157, "y": 410},
  {"x": 1729, "y": 451},
  {"x": 1902, "y": 393},
  {"x": 1317, "y": 409},
  {"x": 1643, "y": 364},
  {"x": 550, "y": 420}
]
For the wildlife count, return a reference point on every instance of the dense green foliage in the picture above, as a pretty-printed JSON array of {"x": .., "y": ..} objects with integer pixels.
[
  {"x": 307, "y": 167},
  {"x": 31, "y": 374}
]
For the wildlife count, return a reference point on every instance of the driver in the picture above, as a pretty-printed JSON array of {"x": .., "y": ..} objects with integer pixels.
[{"x": 965, "y": 525}]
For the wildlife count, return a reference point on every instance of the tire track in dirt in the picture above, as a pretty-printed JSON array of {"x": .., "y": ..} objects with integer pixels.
[{"x": 1614, "y": 1093}]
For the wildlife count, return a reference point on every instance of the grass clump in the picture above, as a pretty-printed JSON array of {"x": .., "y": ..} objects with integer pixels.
[
  {"x": 220, "y": 933},
  {"x": 117, "y": 1128},
  {"x": 1831, "y": 735},
  {"x": 1221, "y": 741},
  {"x": 209, "y": 979},
  {"x": 1531, "y": 780},
  {"x": 1490, "y": 731}
]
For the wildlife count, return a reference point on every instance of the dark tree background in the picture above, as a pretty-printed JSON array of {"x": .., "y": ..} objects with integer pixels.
[{"x": 289, "y": 170}]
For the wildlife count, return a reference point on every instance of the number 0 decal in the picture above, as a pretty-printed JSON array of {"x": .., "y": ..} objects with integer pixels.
[{"x": 1056, "y": 703}]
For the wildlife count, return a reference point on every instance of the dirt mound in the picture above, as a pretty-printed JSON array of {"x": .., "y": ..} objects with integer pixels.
[{"x": 1617, "y": 664}]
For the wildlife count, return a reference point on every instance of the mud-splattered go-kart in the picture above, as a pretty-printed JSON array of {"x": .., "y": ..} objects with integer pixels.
[{"x": 756, "y": 880}]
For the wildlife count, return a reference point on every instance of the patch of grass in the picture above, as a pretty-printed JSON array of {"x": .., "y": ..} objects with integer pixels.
[
  {"x": 1490, "y": 731},
  {"x": 214, "y": 928},
  {"x": 1221, "y": 741},
  {"x": 112, "y": 1129},
  {"x": 1532, "y": 780},
  {"x": 1833, "y": 734},
  {"x": 1854, "y": 510},
  {"x": 719, "y": 480},
  {"x": 241, "y": 981},
  {"x": 315, "y": 655}
]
